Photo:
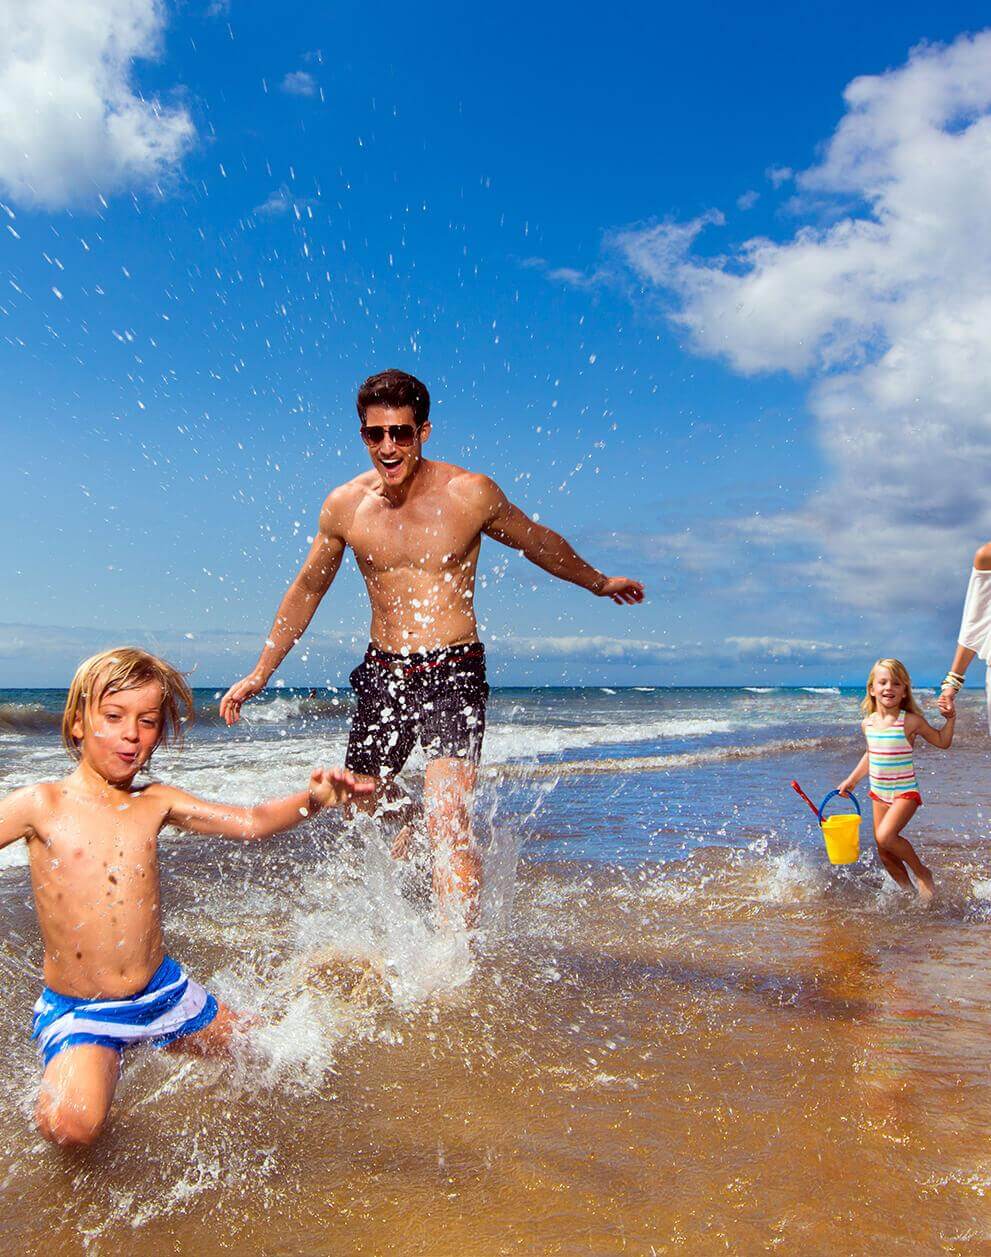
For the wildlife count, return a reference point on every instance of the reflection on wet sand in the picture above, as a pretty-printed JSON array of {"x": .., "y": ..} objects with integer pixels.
[{"x": 720, "y": 1055}]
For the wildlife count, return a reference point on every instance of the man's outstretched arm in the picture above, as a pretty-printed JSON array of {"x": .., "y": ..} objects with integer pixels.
[
  {"x": 549, "y": 550},
  {"x": 294, "y": 614}
]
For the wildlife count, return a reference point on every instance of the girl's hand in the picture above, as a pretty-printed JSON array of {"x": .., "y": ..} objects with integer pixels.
[
  {"x": 330, "y": 787},
  {"x": 947, "y": 701},
  {"x": 844, "y": 789}
]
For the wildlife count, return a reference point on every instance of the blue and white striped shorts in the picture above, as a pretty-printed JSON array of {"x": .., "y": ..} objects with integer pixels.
[{"x": 168, "y": 1008}]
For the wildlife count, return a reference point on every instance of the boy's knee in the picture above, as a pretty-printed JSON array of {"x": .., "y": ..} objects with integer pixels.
[{"x": 71, "y": 1125}]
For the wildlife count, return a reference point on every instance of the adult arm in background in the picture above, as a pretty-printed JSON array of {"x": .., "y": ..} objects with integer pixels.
[
  {"x": 975, "y": 627},
  {"x": 296, "y": 609},
  {"x": 547, "y": 549}
]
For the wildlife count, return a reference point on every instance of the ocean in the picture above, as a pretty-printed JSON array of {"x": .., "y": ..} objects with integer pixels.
[{"x": 679, "y": 1031}]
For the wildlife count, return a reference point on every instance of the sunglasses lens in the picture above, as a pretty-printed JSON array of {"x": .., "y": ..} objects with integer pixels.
[{"x": 400, "y": 433}]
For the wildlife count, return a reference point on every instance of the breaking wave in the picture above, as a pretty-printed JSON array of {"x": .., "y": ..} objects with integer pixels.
[{"x": 27, "y": 718}]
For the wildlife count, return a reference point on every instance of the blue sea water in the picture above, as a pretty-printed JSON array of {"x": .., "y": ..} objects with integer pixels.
[{"x": 596, "y": 773}]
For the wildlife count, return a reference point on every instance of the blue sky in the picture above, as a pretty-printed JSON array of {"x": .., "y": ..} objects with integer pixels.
[{"x": 220, "y": 217}]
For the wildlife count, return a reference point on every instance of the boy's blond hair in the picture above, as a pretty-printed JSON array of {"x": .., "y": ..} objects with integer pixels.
[
  {"x": 900, "y": 673},
  {"x": 127, "y": 668}
]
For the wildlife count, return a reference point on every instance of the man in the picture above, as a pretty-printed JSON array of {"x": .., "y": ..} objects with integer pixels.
[{"x": 415, "y": 527}]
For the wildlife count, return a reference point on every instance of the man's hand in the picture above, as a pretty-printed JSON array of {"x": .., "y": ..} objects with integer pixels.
[
  {"x": 330, "y": 787},
  {"x": 621, "y": 590},
  {"x": 247, "y": 687}
]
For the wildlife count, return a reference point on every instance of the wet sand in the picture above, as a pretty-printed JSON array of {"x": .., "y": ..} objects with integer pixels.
[
  {"x": 740, "y": 1054},
  {"x": 735, "y": 1048}
]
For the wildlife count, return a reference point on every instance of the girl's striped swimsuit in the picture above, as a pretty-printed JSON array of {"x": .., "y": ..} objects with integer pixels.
[{"x": 891, "y": 768}]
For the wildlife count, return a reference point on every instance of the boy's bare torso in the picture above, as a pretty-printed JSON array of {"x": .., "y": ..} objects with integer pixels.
[
  {"x": 94, "y": 871},
  {"x": 418, "y": 558}
]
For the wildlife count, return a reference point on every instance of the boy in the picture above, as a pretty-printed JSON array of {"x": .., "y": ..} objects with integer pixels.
[{"x": 93, "y": 848}]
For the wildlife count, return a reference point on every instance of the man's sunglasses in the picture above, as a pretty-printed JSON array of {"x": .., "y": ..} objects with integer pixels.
[{"x": 399, "y": 433}]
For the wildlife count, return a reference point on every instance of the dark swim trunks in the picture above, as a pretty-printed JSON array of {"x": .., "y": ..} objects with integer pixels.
[{"x": 437, "y": 697}]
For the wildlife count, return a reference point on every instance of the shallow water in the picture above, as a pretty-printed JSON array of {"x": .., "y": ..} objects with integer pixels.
[{"x": 682, "y": 1031}]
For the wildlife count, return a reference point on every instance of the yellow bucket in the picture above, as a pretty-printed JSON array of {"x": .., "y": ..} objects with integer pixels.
[{"x": 842, "y": 837}]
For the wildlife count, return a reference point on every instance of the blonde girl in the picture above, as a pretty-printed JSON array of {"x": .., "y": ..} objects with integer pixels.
[{"x": 892, "y": 722}]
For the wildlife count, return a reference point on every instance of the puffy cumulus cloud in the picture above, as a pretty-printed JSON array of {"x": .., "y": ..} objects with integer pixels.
[
  {"x": 883, "y": 300},
  {"x": 71, "y": 123}
]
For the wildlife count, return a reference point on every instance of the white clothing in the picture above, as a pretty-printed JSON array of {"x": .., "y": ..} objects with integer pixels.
[{"x": 975, "y": 626}]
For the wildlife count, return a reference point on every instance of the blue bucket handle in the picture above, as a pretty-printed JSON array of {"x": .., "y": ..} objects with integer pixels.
[{"x": 832, "y": 794}]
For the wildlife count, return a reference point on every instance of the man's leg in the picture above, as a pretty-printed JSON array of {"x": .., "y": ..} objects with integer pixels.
[
  {"x": 379, "y": 743},
  {"x": 447, "y": 797},
  {"x": 389, "y": 800},
  {"x": 77, "y": 1090}
]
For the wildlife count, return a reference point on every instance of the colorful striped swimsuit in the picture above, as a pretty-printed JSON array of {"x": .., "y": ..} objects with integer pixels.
[{"x": 891, "y": 768}]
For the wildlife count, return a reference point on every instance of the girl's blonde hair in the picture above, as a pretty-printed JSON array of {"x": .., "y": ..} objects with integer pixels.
[
  {"x": 127, "y": 668},
  {"x": 900, "y": 673}
]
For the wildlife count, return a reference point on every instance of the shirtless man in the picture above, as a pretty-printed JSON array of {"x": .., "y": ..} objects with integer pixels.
[{"x": 415, "y": 527}]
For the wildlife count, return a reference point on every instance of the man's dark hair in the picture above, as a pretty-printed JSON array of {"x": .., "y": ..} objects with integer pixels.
[{"x": 394, "y": 389}]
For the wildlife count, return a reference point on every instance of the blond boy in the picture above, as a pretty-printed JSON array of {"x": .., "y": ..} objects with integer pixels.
[{"x": 93, "y": 848}]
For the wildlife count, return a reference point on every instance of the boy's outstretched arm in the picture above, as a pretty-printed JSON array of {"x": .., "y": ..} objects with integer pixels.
[
  {"x": 329, "y": 787},
  {"x": 507, "y": 524},
  {"x": 17, "y": 814}
]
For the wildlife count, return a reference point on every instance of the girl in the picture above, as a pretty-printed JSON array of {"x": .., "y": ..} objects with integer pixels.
[{"x": 893, "y": 722}]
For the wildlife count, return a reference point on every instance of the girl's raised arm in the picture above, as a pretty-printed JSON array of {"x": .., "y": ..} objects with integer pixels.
[{"x": 919, "y": 725}]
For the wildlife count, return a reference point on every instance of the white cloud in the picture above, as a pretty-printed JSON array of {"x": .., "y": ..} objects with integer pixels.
[
  {"x": 607, "y": 649},
  {"x": 747, "y": 200},
  {"x": 887, "y": 308},
  {"x": 71, "y": 124},
  {"x": 300, "y": 83},
  {"x": 278, "y": 202},
  {"x": 578, "y": 279},
  {"x": 779, "y": 175},
  {"x": 792, "y": 649}
]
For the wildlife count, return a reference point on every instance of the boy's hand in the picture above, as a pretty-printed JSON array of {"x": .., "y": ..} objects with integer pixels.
[{"x": 330, "y": 787}]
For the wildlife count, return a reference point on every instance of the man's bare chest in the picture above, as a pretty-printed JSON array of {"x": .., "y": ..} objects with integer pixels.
[{"x": 429, "y": 538}]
